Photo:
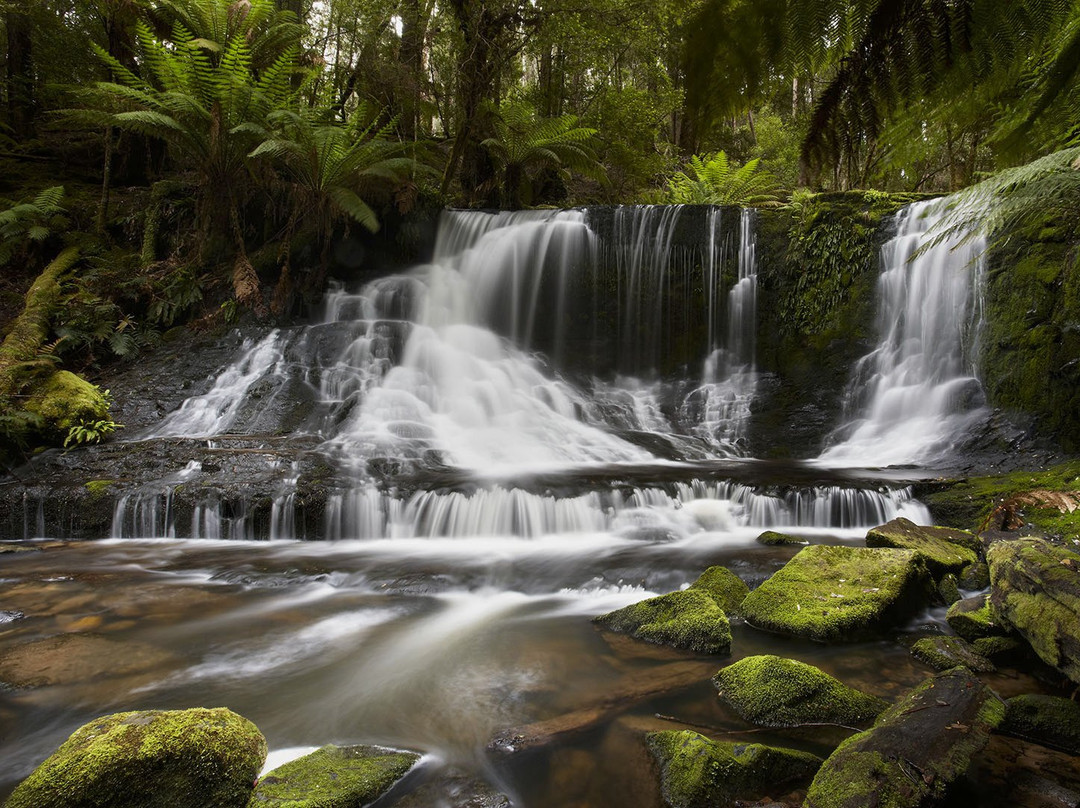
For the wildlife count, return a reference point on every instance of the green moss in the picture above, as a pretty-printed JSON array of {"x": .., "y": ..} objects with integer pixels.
[
  {"x": 770, "y": 538},
  {"x": 771, "y": 691},
  {"x": 994, "y": 648},
  {"x": 948, "y": 589},
  {"x": 696, "y": 772},
  {"x": 64, "y": 400},
  {"x": 943, "y": 653},
  {"x": 835, "y": 593},
  {"x": 690, "y": 619},
  {"x": 98, "y": 488},
  {"x": 975, "y": 576},
  {"x": 1046, "y": 720},
  {"x": 936, "y": 545},
  {"x": 972, "y": 619},
  {"x": 333, "y": 777},
  {"x": 184, "y": 759},
  {"x": 724, "y": 586},
  {"x": 1035, "y": 588}
]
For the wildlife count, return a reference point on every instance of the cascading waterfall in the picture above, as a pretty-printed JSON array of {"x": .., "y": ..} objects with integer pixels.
[{"x": 913, "y": 395}]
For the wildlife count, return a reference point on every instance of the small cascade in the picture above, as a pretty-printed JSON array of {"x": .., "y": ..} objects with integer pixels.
[
  {"x": 729, "y": 378},
  {"x": 915, "y": 394}
]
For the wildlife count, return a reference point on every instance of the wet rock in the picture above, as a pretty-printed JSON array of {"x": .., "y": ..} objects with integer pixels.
[
  {"x": 7, "y": 548},
  {"x": 972, "y": 619},
  {"x": 771, "y": 691},
  {"x": 179, "y": 758},
  {"x": 770, "y": 538},
  {"x": 333, "y": 777},
  {"x": 455, "y": 789},
  {"x": 690, "y": 619},
  {"x": 948, "y": 589},
  {"x": 943, "y": 653},
  {"x": 835, "y": 593},
  {"x": 1046, "y": 720},
  {"x": 996, "y": 648},
  {"x": 945, "y": 550},
  {"x": 723, "y": 586},
  {"x": 1035, "y": 588},
  {"x": 915, "y": 750},
  {"x": 74, "y": 658},
  {"x": 975, "y": 577},
  {"x": 696, "y": 772}
]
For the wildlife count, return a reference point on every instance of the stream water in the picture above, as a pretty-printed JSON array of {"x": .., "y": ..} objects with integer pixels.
[{"x": 436, "y": 615}]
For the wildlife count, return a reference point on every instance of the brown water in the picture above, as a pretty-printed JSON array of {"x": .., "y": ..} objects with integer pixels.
[{"x": 433, "y": 645}]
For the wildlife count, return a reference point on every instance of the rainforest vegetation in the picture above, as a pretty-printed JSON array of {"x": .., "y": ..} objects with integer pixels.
[{"x": 166, "y": 162}]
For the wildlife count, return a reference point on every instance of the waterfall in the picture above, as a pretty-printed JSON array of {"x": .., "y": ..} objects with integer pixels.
[{"x": 914, "y": 395}]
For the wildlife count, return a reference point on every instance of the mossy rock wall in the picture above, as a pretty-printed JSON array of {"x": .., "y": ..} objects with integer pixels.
[{"x": 1030, "y": 358}]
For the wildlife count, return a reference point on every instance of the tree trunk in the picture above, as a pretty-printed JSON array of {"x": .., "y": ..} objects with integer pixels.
[
  {"x": 411, "y": 57},
  {"x": 21, "y": 100}
]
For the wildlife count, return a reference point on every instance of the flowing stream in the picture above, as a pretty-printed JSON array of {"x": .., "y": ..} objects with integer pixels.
[{"x": 558, "y": 474}]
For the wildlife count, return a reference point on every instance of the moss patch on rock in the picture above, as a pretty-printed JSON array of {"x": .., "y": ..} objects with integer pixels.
[
  {"x": 945, "y": 550},
  {"x": 724, "y": 586},
  {"x": 972, "y": 619},
  {"x": 915, "y": 750},
  {"x": 770, "y": 538},
  {"x": 690, "y": 619},
  {"x": 771, "y": 691},
  {"x": 1046, "y": 720},
  {"x": 834, "y": 593},
  {"x": 1035, "y": 588},
  {"x": 333, "y": 777},
  {"x": 200, "y": 758},
  {"x": 995, "y": 648},
  {"x": 65, "y": 400},
  {"x": 696, "y": 772},
  {"x": 944, "y": 653}
]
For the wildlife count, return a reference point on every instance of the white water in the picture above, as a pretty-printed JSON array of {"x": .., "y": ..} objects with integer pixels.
[{"x": 914, "y": 395}]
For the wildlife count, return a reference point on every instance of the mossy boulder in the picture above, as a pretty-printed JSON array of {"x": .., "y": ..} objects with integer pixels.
[
  {"x": 770, "y": 538},
  {"x": 996, "y": 648},
  {"x": 333, "y": 777},
  {"x": 915, "y": 750},
  {"x": 945, "y": 550},
  {"x": 1046, "y": 720},
  {"x": 771, "y": 691},
  {"x": 972, "y": 619},
  {"x": 948, "y": 589},
  {"x": 65, "y": 400},
  {"x": 1035, "y": 588},
  {"x": 943, "y": 653},
  {"x": 696, "y": 772},
  {"x": 200, "y": 758},
  {"x": 834, "y": 593},
  {"x": 690, "y": 619},
  {"x": 724, "y": 586},
  {"x": 975, "y": 577}
]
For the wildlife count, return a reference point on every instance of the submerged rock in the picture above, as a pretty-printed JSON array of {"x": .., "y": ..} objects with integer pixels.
[
  {"x": 724, "y": 586},
  {"x": 200, "y": 758},
  {"x": 833, "y": 593},
  {"x": 696, "y": 772},
  {"x": 771, "y": 691},
  {"x": 333, "y": 777},
  {"x": 1035, "y": 588},
  {"x": 74, "y": 658},
  {"x": 972, "y": 619},
  {"x": 943, "y": 653},
  {"x": 690, "y": 619},
  {"x": 1045, "y": 720},
  {"x": 914, "y": 751},
  {"x": 770, "y": 538},
  {"x": 945, "y": 550}
]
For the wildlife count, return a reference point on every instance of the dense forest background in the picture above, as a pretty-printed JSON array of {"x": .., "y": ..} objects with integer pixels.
[{"x": 171, "y": 161}]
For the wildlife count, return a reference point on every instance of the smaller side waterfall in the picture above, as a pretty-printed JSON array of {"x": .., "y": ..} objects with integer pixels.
[{"x": 916, "y": 392}]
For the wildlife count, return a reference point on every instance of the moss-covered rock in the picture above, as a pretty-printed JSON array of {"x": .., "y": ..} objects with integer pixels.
[
  {"x": 975, "y": 577},
  {"x": 696, "y": 772},
  {"x": 948, "y": 589},
  {"x": 771, "y": 691},
  {"x": 200, "y": 758},
  {"x": 915, "y": 750},
  {"x": 972, "y": 619},
  {"x": 333, "y": 777},
  {"x": 832, "y": 593},
  {"x": 1046, "y": 720},
  {"x": 945, "y": 550},
  {"x": 770, "y": 538},
  {"x": 1035, "y": 588},
  {"x": 65, "y": 400},
  {"x": 724, "y": 586},
  {"x": 690, "y": 619},
  {"x": 998, "y": 648},
  {"x": 943, "y": 653}
]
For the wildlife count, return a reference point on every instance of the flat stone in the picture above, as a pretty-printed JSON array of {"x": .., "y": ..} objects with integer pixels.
[
  {"x": 74, "y": 658},
  {"x": 945, "y": 550},
  {"x": 943, "y": 653},
  {"x": 333, "y": 777}
]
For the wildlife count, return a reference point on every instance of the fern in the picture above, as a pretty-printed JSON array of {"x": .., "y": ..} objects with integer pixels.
[
  {"x": 34, "y": 221},
  {"x": 712, "y": 180}
]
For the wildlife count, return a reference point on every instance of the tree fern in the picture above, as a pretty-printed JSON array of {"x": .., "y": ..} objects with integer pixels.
[{"x": 712, "y": 180}]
